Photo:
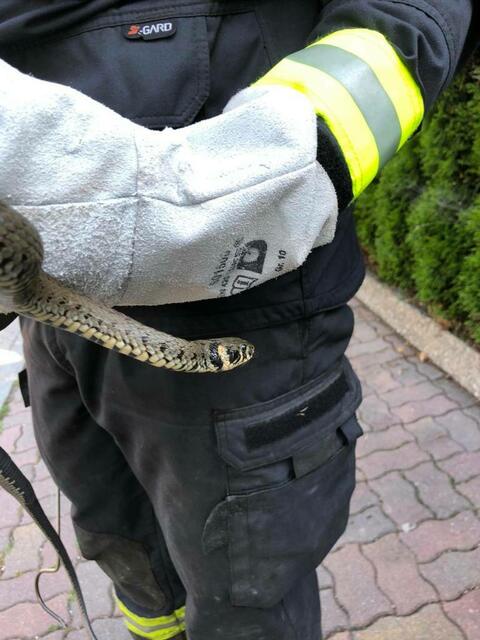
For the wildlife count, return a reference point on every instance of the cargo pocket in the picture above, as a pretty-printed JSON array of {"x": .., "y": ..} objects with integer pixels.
[
  {"x": 291, "y": 464},
  {"x": 154, "y": 71}
]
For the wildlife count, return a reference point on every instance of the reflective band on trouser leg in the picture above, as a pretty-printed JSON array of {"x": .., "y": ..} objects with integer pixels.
[
  {"x": 159, "y": 628},
  {"x": 362, "y": 89}
]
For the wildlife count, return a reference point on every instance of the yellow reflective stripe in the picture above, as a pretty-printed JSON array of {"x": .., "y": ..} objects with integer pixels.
[
  {"x": 337, "y": 107},
  {"x": 364, "y": 87},
  {"x": 177, "y": 615},
  {"x": 161, "y": 634},
  {"x": 374, "y": 49},
  {"x": 359, "y": 85}
]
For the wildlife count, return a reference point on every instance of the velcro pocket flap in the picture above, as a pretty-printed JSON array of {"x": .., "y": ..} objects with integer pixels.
[{"x": 265, "y": 433}]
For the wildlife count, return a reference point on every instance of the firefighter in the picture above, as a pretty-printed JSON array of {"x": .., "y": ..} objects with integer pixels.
[{"x": 210, "y": 500}]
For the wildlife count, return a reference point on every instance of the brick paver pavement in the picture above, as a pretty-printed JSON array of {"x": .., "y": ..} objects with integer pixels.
[{"x": 407, "y": 568}]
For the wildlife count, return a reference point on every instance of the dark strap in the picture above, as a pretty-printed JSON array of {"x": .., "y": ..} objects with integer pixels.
[
  {"x": 23, "y": 384},
  {"x": 6, "y": 319},
  {"x": 17, "y": 485}
]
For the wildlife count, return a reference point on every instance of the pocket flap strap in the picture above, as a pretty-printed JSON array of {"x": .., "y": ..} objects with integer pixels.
[
  {"x": 306, "y": 461},
  {"x": 309, "y": 459},
  {"x": 351, "y": 430}
]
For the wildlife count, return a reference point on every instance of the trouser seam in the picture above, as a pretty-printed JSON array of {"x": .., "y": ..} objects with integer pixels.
[
  {"x": 171, "y": 598},
  {"x": 50, "y": 344},
  {"x": 305, "y": 330},
  {"x": 290, "y": 622}
]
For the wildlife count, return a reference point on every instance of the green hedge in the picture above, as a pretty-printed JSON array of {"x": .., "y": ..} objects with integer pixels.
[{"x": 419, "y": 222}]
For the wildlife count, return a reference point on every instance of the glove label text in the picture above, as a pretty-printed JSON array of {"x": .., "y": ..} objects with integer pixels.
[{"x": 230, "y": 276}]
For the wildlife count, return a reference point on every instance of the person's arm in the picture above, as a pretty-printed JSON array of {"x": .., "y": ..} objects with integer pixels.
[
  {"x": 228, "y": 203},
  {"x": 137, "y": 217},
  {"x": 374, "y": 68}
]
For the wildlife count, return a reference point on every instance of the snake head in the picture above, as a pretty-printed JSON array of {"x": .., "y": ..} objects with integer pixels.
[{"x": 226, "y": 354}]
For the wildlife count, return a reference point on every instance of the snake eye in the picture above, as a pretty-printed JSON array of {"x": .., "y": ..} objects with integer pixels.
[
  {"x": 241, "y": 353},
  {"x": 234, "y": 354},
  {"x": 228, "y": 354}
]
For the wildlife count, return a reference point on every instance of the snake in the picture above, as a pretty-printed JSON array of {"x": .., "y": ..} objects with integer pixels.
[{"x": 27, "y": 290}]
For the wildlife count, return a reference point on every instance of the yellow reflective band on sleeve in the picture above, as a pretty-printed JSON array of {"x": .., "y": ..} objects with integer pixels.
[
  {"x": 158, "y": 628},
  {"x": 374, "y": 49},
  {"x": 335, "y": 104},
  {"x": 359, "y": 85}
]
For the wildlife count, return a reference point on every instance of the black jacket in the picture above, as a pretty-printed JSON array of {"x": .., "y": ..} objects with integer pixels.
[
  {"x": 220, "y": 47},
  {"x": 431, "y": 35}
]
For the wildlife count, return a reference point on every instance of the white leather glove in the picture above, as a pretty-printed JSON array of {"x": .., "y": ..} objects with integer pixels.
[{"x": 139, "y": 217}]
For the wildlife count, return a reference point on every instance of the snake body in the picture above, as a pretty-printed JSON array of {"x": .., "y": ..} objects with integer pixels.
[{"x": 27, "y": 290}]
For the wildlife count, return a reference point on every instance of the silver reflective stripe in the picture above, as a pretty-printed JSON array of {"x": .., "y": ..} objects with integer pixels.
[{"x": 365, "y": 89}]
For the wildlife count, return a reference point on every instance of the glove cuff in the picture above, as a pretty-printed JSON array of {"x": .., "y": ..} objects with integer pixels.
[
  {"x": 329, "y": 152},
  {"x": 330, "y": 156}
]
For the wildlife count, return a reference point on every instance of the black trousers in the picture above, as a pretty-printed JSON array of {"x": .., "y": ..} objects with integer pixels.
[{"x": 221, "y": 492}]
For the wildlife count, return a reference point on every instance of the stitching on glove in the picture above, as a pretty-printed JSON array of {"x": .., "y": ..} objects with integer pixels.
[
  {"x": 195, "y": 203},
  {"x": 124, "y": 286},
  {"x": 73, "y": 203}
]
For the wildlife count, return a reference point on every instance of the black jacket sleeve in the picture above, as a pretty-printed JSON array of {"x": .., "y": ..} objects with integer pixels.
[
  {"x": 433, "y": 37},
  {"x": 429, "y": 35}
]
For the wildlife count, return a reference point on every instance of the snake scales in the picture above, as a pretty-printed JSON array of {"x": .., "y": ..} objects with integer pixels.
[{"x": 27, "y": 290}]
